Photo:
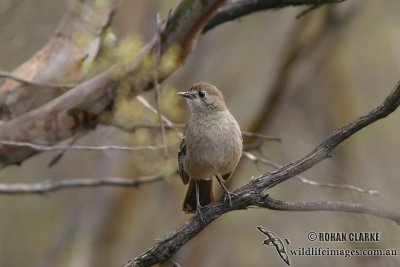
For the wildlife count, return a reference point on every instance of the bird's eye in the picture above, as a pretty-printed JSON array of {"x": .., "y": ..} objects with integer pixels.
[{"x": 202, "y": 94}]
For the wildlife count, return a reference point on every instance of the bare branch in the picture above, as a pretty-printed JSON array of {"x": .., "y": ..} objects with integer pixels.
[
  {"x": 51, "y": 186},
  {"x": 130, "y": 129},
  {"x": 251, "y": 194},
  {"x": 146, "y": 103},
  {"x": 171, "y": 125},
  {"x": 157, "y": 55},
  {"x": 273, "y": 204},
  {"x": 58, "y": 157},
  {"x": 262, "y": 136},
  {"x": 39, "y": 147},
  {"x": 238, "y": 9}
]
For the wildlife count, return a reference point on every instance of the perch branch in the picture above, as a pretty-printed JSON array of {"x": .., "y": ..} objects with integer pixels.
[{"x": 251, "y": 194}]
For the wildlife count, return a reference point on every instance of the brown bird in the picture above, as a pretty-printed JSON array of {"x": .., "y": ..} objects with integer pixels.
[{"x": 212, "y": 145}]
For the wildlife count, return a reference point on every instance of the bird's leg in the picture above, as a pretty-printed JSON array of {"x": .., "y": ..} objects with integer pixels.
[
  {"x": 227, "y": 193},
  {"x": 198, "y": 206}
]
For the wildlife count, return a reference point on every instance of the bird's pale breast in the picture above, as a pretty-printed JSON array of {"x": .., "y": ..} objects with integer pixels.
[{"x": 215, "y": 145}]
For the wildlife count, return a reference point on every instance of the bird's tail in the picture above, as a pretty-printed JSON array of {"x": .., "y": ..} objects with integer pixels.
[{"x": 206, "y": 195}]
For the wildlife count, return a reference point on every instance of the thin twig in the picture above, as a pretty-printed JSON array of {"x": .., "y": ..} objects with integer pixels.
[
  {"x": 253, "y": 146},
  {"x": 39, "y": 147},
  {"x": 172, "y": 125},
  {"x": 58, "y": 157},
  {"x": 262, "y": 136},
  {"x": 145, "y": 103},
  {"x": 306, "y": 181},
  {"x": 51, "y": 186},
  {"x": 133, "y": 128},
  {"x": 41, "y": 84},
  {"x": 157, "y": 54},
  {"x": 339, "y": 186}
]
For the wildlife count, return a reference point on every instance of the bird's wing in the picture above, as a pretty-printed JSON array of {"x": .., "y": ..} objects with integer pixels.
[{"x": 181, "y": 159}]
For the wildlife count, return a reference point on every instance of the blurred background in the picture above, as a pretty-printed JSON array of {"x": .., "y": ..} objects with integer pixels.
[{"x": 298, "y": 79}]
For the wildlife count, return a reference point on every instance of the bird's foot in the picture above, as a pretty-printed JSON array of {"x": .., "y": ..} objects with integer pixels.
[
  {"x": 228, "y": 196},
  {"x": 198, "y": 212}
]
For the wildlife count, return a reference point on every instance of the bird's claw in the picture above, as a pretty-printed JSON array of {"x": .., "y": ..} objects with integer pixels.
[
  {"x": 229, "y": 195},
  {"x": 198, "y": 212}
]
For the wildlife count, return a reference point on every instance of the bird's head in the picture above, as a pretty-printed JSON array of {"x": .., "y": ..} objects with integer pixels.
[{"x": 205, "y": 98}]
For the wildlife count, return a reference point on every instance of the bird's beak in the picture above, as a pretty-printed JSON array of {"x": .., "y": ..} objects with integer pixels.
[{"x": 186, "y": 94}]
